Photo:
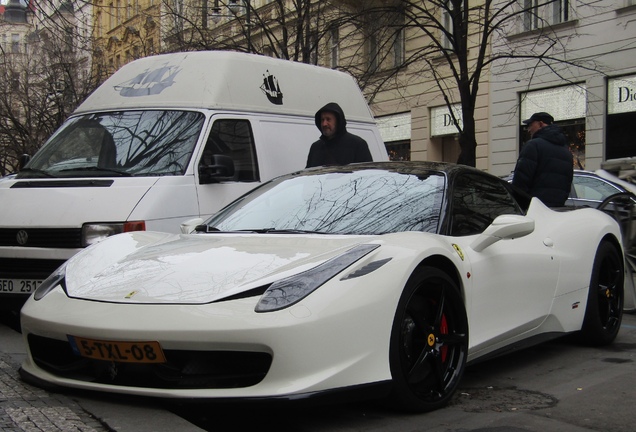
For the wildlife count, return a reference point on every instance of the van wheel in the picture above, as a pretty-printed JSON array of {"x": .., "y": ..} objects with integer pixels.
[
  {"x": 604, "y": 310},
  {"x": 429, "y": 342}
]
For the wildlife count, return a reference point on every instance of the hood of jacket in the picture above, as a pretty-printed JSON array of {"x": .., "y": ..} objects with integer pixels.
[
  {"x": 553, "y": 134},
  {"x": 334, "y": 108}
]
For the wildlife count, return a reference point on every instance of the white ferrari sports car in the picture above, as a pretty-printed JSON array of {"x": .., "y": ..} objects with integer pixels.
[{"x": 387, "y": 278}]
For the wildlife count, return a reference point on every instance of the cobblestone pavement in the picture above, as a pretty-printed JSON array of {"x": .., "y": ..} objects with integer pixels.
[{"x": 27, "y": 408}]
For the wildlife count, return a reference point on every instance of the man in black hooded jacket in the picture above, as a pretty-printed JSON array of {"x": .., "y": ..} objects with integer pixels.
[
  {"x": 336, "y": 146},
  {"x": 544, "y": 168}
]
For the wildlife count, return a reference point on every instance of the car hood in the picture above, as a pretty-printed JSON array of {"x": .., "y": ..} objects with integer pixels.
[
  {"x": 147, "y": 267},
  {"x": 68, "y": 203}
]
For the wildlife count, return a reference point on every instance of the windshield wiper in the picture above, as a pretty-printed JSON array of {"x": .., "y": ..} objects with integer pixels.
[
  {"x": 278, "y": 231},
  {"x": 208, "y": 229},
  {"x": 100, "y": 169},
  {"x": 290, "y": 231},
  {"x": 35, "y": 171}
]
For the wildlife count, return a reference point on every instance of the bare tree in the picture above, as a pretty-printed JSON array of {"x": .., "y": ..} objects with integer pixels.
[{"x": 48, "y": 75}]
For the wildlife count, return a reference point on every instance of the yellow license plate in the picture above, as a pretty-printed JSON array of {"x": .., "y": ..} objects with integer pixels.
[{"x": 128, "y": 352}]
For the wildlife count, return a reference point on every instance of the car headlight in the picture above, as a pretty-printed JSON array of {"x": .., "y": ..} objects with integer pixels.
[
  {"x": 96, "y": 232},
  {"x": 289, "y": 291},
  {"x": 56, "y": 278}
]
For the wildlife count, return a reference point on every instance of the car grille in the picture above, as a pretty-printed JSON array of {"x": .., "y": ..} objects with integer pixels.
[
  {"x": 67, "y": 238},
  {"x": 23, "y": 268},
  {"x": 183, "y": 370}
]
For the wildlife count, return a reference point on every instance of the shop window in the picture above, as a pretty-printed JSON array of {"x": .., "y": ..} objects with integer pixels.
[
  {"x": 568, "y": 106},
  {"x": 574, "y": 131},
  {"x": 621, "y": 116},
  {"x": 399, "y": 151},
  {"x": 619, "y": 133}
]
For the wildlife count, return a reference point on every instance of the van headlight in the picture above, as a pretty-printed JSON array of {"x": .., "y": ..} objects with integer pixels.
[
  {"x": 95, "y": 232},
  {"x": 291, "y": 290},
  {"x": 58, "y": 277}
]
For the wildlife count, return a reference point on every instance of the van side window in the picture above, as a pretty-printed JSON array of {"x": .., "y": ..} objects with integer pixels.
[
  {"x": 230, "y": 144},
  {"x": 476, "y": 201}
]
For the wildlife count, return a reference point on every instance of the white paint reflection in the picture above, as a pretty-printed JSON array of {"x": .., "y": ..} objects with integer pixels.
[{"x": 195, "y": 269}]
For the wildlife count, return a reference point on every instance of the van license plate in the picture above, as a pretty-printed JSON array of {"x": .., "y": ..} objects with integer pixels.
[
  {"x": 127, "y": 352},
  {"x": 18, "y": 286}
]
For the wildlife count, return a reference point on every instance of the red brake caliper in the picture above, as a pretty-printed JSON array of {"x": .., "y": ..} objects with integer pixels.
[{"x": 443, "y": 329}]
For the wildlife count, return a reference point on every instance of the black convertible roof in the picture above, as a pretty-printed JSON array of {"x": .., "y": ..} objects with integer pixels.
[{"x": 407, "y": 167}]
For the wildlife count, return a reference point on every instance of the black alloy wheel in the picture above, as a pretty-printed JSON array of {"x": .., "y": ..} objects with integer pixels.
[
  {"x": 604, "y": 310},
  {"x": 622, "y": 207},
  {"x": 429, "y": 342}
]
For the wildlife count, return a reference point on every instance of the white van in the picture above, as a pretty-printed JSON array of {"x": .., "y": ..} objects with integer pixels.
[{"x": 165, "y": 139}]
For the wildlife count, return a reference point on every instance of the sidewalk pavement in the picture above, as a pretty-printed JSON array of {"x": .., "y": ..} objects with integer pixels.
[{"x": 24, "y": 407}]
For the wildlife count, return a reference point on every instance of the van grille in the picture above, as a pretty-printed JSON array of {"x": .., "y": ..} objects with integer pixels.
[{"x": 65, "y": 238}]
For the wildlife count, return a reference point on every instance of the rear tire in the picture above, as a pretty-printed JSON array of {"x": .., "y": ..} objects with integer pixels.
[
  {"x": 604, "y": 310},
  {"x": 429, "y": 342}
]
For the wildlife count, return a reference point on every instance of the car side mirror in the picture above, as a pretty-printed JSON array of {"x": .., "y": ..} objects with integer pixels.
[
  {"x": 24, "y": 159},
  {"x": 189, "y": 225},
  {"x": 504, "y": 227},
  {"x": 221, "y": 169}
]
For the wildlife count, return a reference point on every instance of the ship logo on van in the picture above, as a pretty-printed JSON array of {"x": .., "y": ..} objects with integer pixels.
[
  {"x": 149, "y": 82},
  {"x": 271, "y": 89}
]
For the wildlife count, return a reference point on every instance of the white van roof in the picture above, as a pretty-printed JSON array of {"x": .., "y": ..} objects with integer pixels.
[{"x": 230, "y": 81}]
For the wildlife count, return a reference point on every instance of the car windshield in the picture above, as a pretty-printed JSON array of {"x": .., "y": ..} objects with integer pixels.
[
  {"x": 126, "y": 143},
  {"x": 354, "y": 202}
]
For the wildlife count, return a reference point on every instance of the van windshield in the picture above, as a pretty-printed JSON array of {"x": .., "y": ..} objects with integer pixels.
[{"x": 125, "y": 143}]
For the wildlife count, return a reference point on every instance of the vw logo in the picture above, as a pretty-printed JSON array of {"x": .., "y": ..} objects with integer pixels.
[{"x": 22, "y": 237}]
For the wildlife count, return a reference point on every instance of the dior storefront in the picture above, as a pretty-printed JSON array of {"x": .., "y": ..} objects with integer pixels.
[
  {"x": 620, "y": 136},
  {"x": 568, "y": 105}
]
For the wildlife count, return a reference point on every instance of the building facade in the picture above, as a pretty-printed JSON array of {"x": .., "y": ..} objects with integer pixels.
[
  {"x": 588, "y": 83},
  {"x": 124, "y": 30}
]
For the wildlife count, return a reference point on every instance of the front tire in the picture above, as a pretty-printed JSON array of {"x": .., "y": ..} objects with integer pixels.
[
  {"x": 429, "y": 342},
  {"x": 604, "y": 311}
]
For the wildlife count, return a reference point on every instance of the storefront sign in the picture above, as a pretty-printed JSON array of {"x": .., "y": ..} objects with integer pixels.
[
  {"x": 395, "y": 127},
  {"x": 621, "y": 95},
  {"x": 563, "y": 103},
  {"x": 442, "y": 121}
]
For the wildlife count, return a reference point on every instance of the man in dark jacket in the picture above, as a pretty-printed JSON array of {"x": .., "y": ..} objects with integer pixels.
[
  {"x": 545, "y": 167},
  {"x": 336, "y": 146}
]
